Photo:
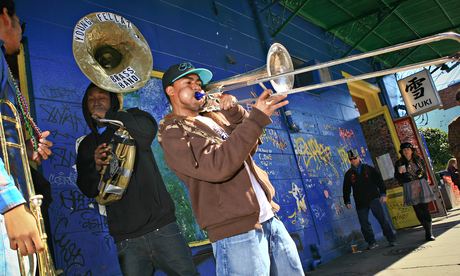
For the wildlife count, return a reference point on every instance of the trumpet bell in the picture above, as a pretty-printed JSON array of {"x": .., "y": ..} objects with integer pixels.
[
  {"x": 279, "y": 61},
  {"x": 112, "y": 52}
]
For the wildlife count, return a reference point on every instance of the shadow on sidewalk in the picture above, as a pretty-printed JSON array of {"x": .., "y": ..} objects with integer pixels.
[{"x": 370, "y": 262}]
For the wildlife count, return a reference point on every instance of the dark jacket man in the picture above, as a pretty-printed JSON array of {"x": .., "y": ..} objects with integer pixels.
[
  {"x": 366, "y": 182},
  {"x": 146, "y": 204},
  {"x": 142, "y": 222},
  {"x": 369, "y": 193}
]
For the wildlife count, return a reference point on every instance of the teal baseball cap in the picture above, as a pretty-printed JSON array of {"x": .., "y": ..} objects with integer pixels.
[{"x": 180, "y": 70}]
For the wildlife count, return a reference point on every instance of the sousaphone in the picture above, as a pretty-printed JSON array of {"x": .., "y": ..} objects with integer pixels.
[
  {"x": 114, "y": 55},
  {"x": 112, "y": 52}
]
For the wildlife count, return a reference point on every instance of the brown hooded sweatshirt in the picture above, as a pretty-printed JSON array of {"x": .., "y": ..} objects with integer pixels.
[{"x": 221, "y": 192}]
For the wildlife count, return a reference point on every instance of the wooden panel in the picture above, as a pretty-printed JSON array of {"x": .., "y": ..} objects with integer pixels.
[{"x": 379, "y": 142}]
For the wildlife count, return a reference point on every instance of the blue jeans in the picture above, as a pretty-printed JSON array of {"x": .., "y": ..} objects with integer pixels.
[
  {"x": 164, "y": 249},
  {"x": 377, "y": 210},
  {"x": 268, "y": 251}
]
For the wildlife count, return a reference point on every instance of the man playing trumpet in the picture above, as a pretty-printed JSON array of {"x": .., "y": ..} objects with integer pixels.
[{"x": 232, "y": 198}]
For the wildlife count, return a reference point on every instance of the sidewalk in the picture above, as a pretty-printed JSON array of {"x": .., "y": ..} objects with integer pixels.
[{"x": 411, "y": 256}]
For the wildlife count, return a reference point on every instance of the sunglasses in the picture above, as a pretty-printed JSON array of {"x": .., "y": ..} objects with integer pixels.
[{"x": 352, "y": 158}]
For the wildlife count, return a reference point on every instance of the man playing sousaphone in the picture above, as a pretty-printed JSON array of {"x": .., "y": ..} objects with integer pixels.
[
  {"x": 142, "y": 222},
  {"x": 141, "y": 218},
  {"x": 20, "y": 224}
]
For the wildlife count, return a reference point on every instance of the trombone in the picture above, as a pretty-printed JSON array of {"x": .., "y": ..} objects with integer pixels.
[
  {"x": 45, "y": 262},
  {"x": 279, "y": 70}
]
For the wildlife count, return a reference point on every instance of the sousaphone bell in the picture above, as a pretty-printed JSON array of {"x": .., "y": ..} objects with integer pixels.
[{"x": 112, "y": 52}]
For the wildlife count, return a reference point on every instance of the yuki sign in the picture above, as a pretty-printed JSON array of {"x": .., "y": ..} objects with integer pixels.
[{"x": 419, "y": 93}]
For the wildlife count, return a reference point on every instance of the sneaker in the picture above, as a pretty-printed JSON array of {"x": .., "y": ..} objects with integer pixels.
[
  {"x": 372, "y": 246},
  {"x": 430, "y": 238},
  {"x": 392, "y": 243}
]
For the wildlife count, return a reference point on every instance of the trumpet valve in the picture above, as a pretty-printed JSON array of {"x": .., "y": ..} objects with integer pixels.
[{"x": 211, "y": 103}]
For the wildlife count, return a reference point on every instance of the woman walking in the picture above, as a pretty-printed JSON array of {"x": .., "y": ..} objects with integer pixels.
[
  {"x": 410, "y": 172},
  {"x": 452, "y": 171}
]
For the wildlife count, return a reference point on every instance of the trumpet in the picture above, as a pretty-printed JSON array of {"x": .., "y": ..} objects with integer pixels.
[
  {"x": 45, "y": 262},
  {"x": 280, "y": 72}
]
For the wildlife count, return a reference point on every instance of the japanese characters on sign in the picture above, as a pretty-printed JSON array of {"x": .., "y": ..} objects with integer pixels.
[{"x": 419, "y": 93}]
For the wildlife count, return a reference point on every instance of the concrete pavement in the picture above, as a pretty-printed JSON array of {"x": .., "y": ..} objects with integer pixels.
[{"x": 411, "y": 256}]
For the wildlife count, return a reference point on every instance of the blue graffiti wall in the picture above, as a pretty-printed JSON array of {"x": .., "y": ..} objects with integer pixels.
[{"x": 306, "y": 167}]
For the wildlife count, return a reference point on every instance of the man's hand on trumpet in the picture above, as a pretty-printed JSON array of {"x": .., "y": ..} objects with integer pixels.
[
  {"x": 219, "y": 101},
  {"x": 227, "y": 101},
  {"x": 268, "y": 103}
]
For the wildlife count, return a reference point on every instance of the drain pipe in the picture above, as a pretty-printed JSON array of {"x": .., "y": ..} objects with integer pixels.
[{"x": 267, "y": 41}]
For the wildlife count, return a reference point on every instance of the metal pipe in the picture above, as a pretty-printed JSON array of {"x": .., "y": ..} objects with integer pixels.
[
  {"x": 417, "y": 42},
  {"x": 363, "y": 76}
]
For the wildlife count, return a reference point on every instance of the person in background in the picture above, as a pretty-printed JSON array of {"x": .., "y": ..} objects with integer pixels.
[
  {"x": 452, "y": 170},
  {"x": 410, "y": 172},
  {"x": 369, "y": 193}
]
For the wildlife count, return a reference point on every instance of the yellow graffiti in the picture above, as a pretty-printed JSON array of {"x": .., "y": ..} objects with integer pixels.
[
  {"x": 299, "y": 197},
  {"x": 312, "y": 151},
  {"x": 296, "y": 192},
  {"x": 295, "y": 219},
  {"x": 344, "y": 162}
]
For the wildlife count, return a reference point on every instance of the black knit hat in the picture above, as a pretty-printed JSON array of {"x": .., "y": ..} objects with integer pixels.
[
  {"x": 406, "y": 145},
  {"x": 352, "y": 154}
]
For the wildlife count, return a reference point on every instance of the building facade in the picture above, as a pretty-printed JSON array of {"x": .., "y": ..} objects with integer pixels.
[{"x": 306, "y": 164}]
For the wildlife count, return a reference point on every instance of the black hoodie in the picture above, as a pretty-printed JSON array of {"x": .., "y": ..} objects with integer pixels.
[{"x": 146, "y": 204}]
